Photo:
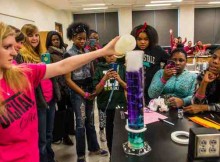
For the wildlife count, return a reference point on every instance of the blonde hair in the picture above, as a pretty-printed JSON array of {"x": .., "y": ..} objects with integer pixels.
[
  {"x": 15, "y": 77},
  {"x": 29, "y": 53}
]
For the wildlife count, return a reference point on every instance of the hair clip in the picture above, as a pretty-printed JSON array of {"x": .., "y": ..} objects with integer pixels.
[{"x": 143, "y": 28}]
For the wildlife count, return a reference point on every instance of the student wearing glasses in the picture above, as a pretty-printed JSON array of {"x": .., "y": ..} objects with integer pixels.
[{"x": 174, "y": 81}]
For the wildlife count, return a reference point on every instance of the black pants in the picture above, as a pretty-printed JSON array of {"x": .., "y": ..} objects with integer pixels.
[
  {"x": 110, "y": 115},
  {"x": 65, "y": 116}
]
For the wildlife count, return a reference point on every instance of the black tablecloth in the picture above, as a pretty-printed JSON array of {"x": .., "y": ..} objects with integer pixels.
[{"x": 158, "y": 136}]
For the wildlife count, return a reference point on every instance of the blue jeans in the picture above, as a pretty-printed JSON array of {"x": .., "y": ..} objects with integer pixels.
[
  {"x": 45, "y": 128},
  {"x": 84, "y": 114}
]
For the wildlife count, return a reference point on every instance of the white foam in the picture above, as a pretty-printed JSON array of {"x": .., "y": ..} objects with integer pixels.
[{"x": 134, "y": 60}]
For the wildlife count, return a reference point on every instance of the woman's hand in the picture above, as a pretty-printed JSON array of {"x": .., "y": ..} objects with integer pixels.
[
  {"x": 116, "y": 76},
  {"x": 175, "y": 102},
  {"x": 89, "y": 96},
  {"x": 92, "y": 96},
  {"x": 171, "y": 31},
  {"x": 209, "y": 77},
  {"x": 109, "y": 49},
  {"x": 169, "y": 72},
  {"x": 194, "y": 109}
]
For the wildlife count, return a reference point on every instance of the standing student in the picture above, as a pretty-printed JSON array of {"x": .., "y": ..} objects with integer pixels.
[
  {"x": 107, "y": 80},
  {"x": 56, "y": 47},
  {"x": 81, "y": 94},
  {"x": 47, "y": 93},
  {"x": 18, "y": 109},
  {"x": 19, "y": 38},
  {"x": 176, "y": 42},
  {"x": 147, "y": 40},
  {"x": 92, "y": 45},
  {"x": 93, "y": 41}
]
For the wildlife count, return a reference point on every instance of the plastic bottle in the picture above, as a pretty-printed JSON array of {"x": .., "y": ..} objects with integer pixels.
[{"x": 125, "y": 44}]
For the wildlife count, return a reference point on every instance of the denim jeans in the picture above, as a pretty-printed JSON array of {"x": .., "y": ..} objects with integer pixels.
[
  {"x": 45, "y": 128},
  {"x": 85, "y": 128}
]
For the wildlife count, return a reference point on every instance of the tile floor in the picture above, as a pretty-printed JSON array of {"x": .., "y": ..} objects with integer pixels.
[{"x": 65, "y": 153}]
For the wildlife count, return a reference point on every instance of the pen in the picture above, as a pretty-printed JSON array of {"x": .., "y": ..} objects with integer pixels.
[
  {"x": 163, "y": 120},
  {"x": 212, "y": 116}
]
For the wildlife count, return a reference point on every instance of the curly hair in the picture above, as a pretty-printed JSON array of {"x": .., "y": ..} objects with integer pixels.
[
  {"x": 150, "y": 31},
  {"x": 76, "y": 28}
]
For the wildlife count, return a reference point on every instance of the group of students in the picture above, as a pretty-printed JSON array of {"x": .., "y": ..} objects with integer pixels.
[
  {"x": 31, "y": 89},
  {"x": 199, "y": 48}
]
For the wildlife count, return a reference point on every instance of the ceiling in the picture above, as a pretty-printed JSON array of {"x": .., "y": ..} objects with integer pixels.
[{"x": 76, "y": 6}]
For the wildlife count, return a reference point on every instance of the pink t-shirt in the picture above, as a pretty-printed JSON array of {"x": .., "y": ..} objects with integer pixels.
[
  {"x": 19, "y": 127},
  {"x": 47, "y": 88}
]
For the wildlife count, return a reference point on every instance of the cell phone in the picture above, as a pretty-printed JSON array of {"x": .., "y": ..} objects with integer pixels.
[
  {"x": 113, "y": 66},
  {"x": 171, "y": 64},
  {"x": 92, "y": 42},
  {"x": 45, "y": 58}
]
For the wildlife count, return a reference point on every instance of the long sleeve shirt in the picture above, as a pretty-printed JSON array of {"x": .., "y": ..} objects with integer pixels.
[
  {"x": 181, "y": 86},
  {"x": 212, "y": 94}
]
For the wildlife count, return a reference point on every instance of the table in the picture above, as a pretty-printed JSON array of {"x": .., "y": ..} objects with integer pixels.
[
  {"x": 204, "y": 58},
  {"x": 158, "y": 137}
]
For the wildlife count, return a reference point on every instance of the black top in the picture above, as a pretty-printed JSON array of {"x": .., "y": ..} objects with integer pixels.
[{"x": 152, "y": 63}]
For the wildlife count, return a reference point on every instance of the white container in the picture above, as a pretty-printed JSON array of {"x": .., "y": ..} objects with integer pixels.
[{"x": 125, "y": 44}]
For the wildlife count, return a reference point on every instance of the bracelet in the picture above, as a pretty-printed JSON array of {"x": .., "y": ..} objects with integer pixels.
[
  {"x": 163, "y": 80},
  {"x": 199, "y": 96},
  {"x": 86, "y": 95},
  {"x": 102, "y": 82}
]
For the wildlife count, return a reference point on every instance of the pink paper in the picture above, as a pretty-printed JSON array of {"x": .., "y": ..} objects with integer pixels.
[{"x": 151, "y": 117}]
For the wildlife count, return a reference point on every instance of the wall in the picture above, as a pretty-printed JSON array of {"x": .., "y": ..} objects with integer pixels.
[
  {"x": 155, "y": 18},
  {"x": 106, "y": 24},
  {"x": 207, "y": 29},
  {"x": 29, "y": 11},
  {"x": 186, "y": 22},
  {"x": 125, "y": 20}
]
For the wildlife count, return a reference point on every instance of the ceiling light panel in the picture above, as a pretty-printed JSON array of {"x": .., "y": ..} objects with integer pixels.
[
  {"x": 95, "y": 8},
  {"x": 166, "y": 1},
  {"x": 155, "y": 5},
  {"x": 214, "y": 2}
]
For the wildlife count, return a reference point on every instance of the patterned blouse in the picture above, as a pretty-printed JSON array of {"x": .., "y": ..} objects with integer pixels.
[
  {"x": 181, "y": 86},
  {"x": 212, "y": 95}
]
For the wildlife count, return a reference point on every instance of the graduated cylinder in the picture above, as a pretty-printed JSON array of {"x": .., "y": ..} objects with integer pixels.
[{"x": 135, "y": 98}]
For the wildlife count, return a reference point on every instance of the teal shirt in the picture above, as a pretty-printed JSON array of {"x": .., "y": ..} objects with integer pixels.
[{"x": 181, "y": 86}]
